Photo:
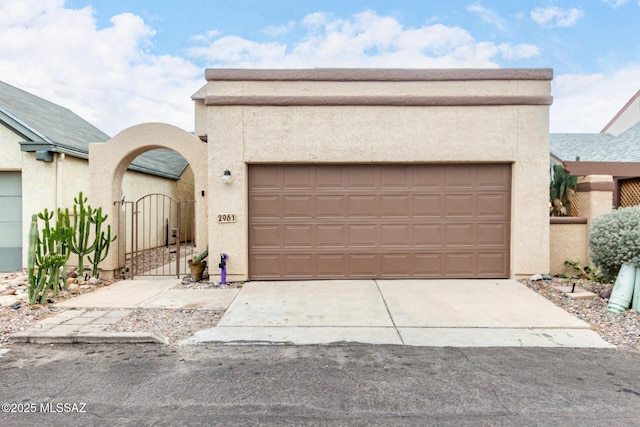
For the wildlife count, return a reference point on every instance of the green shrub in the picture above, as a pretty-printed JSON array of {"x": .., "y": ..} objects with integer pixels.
[{"x": 614, "y": 239}]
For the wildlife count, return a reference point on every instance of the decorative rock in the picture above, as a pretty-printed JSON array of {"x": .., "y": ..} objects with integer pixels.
[
  {"x": 85, "y": 287},
  {"x": 536, "y": 277},
  {"x": 547, "y": 277},
  {"x": 9, "y": 291},
  {"x": 8, "y": 300},
  {"x": 70, "y": 280},
  {"x": 74, "y": 287},
  {"x": 20, "y": 291},
  {"x": 94, "y": 280}
]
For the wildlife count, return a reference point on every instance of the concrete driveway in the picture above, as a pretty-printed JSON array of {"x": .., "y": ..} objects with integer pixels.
[{"x": 459, "y": 313}]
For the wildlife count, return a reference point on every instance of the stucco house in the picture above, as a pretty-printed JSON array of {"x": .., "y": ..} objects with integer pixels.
[
  {"x": 44, "y": 164},
  {"x": 361, "y": 173}
]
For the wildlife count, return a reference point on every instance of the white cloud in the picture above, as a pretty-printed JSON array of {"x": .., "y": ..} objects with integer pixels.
[
  {"x": 553, "y": 16},
  {"x": 616, "y": 3},
  {"x": 104, "y": 75},
  {"x": 487, "y": 15},
  {"x": 279, "y": 30},
  {"x": 363, "y": 40},
  {"x": 587, "y": 102}
]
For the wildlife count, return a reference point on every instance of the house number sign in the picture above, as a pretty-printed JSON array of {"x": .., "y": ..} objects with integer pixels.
[{"x": 226, "y": 217}]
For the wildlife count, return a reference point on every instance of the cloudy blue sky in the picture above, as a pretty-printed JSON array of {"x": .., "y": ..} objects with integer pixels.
[{"x": 122, "y": 62}]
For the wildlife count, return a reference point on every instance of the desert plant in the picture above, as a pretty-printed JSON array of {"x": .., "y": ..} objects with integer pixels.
[
  {"x": 102, "y": 243},
  {"x": 49, "y": 253},
  {"x": 562, "y": 188},
  {"x": 198, "y": 258},
  {"x": 79, "y": 244},
  {"x": 587, "y": 272},
  {"x": 614, "y": 239}
]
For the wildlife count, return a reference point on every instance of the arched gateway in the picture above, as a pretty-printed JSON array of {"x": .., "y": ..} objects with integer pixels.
[{"x": 109, "y": 161}]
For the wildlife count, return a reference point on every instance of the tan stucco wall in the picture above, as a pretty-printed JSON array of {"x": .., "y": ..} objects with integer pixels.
[
  {"x": 11, "y": 157},
  {"x": 595, "y": 203},
  {"x": 568, "y": 242},
  {"x": 463, "y": 128}
]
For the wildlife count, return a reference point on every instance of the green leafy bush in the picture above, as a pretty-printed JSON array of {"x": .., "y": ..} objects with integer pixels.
[{"x": 614, "y": 239}]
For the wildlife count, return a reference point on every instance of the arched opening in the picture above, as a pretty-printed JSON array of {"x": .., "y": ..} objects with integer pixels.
[{"x": 159, "y": 215}]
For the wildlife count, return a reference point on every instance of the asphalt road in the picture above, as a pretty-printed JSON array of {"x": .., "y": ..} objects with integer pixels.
[{"x": 357, "y": 385}]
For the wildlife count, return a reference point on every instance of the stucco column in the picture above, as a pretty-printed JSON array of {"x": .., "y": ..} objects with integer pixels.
[
  {"x": 225, "y": 140},
  {"x": 104, "y": 189},
  {"x": 596, "y": 195},
  {"x": 530, "y": 194}
]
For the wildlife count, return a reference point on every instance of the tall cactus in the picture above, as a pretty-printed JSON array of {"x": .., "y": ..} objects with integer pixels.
[
  {"x": 102, "y": 249},
  {"x": 79, "y": 243},
  {"x": 50, "y": 253}
]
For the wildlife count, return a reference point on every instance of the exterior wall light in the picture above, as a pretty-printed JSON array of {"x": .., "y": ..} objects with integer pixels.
[{"x": 226, "y": 176}]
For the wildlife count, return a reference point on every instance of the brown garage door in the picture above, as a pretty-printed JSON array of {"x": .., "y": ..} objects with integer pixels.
[{"x": 379, "y": 221}]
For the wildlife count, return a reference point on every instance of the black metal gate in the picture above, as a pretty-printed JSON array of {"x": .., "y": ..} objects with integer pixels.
[{"x": 160, "y": 235}]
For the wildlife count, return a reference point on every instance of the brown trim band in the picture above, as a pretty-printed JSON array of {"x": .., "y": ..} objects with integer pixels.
[
  {"x": 416, "y": 101},
  {"x": 567, "y": 220},
  {"x": 580, "y": 168},
  {"x": 585, "y": 187},
  {"x": 379, "y": 74}
]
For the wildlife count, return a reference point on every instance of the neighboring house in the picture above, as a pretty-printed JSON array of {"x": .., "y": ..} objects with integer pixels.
[
  {"x": 607, "y": 165},
  {"x": 612, "y": 153},
  {"x": 43, "y": 164},
  {"x": 363, "y": 173}
]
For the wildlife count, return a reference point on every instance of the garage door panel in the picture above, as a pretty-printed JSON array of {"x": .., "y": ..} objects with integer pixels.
[
  {"x": 429, "y": 235},
  {"x": 332, "y": 265},
  {"x": 10, "y": 235},
  {"x": 459, "y": 205},
  {"x": 298, "y": 236},
  {"x": 266, "y": 178},
  {"x": 395, "y": 177},
  {"x": 298, "y": 178},
  {"x": 364, "y": 236},
  {"x": 265, "y": 207},
  {"x": 367, "y": 221},
  {"x": 490, "y": 264},
  {"x": 330, "y": 177},
  {"x": 491, "y": 234},
  {"x": 460, "y": 264},
  {"x": 428, "y": 264},
  {"x": 299, "y": 266},
  {"x": 459, "y": 235},
  {"x": 267, "y": 266},
  {"x": 364, "y": 265},
  {"x": 459, "y": 176},
  {"x": 10, "y": 221},
  {"x": 363, "y": 206},
  {"x": 492, "y": 176},
  {"x": 10, "y": 210},
  {"x": 492, "y": 205},
  {"x": 302, "y": 206},
  {"x": 396, "y": 236},
  {"x": 331, "y": 206},
  {"x": 332, "y": 236},
  {"x": 428, "y": 206},
  {"x": 428, "y": 177},
  {"x": 395, "y": 206},
  {"x": 397, "y": 265},
  {"x": 266, "y": 236},
  {"x": 361, "y": 177}
]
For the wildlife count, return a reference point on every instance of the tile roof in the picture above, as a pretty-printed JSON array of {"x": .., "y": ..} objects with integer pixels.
[{"x": 42, "y": 122}]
